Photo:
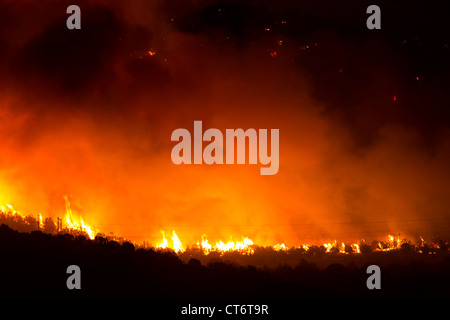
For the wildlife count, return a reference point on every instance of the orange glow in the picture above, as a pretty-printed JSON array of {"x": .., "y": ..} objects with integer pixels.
[
  {"x": 245, "y": 246},
  {"x": 134, "y": 190},
  {"x": 350, "y": 167}
]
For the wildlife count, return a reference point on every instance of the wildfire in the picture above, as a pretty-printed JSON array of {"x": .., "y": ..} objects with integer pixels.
[
  {"x": 280, "y": 247},
  {"x": 40, "y": 222},
  {"x": 164, "y": 243},
  {"x": 71, "y": 224},
  {"x": 177, "y": 246},
  {"x": 389, "y": 244},
  {"x": 205, "y": 246},
  {"x": 9, "y": 209},
  {"x": 244, "y": 246}
]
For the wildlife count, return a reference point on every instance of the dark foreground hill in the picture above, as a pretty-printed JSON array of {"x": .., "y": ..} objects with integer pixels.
[{"x": 33, "y": 265}]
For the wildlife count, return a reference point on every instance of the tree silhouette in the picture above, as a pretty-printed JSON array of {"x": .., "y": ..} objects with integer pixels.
[{"x": 49, "y": 226}]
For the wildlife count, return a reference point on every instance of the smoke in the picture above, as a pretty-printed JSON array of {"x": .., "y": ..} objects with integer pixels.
[{"x": 89, "y": 113}]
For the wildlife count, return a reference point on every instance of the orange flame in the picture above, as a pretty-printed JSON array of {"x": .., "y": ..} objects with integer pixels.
[
  {"x": 245, "y": 246},
  {"x": 72, "y": 224}
]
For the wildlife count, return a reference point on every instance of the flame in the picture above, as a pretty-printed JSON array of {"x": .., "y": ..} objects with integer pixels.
[
  {"x": 74, "y": 225},
  {"x": 389, "y": 244},
  {"x": 176, "y": 243},
  {"x": 164, "y": 243},
  {"x": 205, "y": 246},
  {"x": 328, "y": 246},
  {"x": 9, "y": 209},
  {"x": 280, "y": 247},
  {"x": 40, "y": 221},
  {"x": 304, "y": 247},
  {"x": 422, "y": 241},
  {"x": 16, "y": 215},
  {"x": 245, "y": 246},
  {"x": 86, "y": 228},
  {"x": 342, "y": 248}
]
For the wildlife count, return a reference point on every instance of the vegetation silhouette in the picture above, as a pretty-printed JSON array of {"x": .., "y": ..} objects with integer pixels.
[{"x": 33, "y": 265}]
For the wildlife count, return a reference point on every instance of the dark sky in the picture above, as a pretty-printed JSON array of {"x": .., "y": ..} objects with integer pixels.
[{"x": 363, "y": 115}]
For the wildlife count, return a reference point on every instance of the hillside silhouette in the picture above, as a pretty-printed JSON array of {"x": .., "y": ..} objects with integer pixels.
[{"x": 33, "y": 265}]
